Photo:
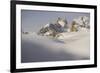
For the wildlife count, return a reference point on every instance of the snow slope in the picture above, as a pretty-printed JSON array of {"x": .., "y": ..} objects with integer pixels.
[{"x": 77, "y": 44}]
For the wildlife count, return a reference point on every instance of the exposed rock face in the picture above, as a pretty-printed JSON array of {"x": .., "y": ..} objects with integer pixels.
[
  {"x": 80, "y": 23},
  {"x": 53, "y": 29},
  {"x": 25, "y": 32}
]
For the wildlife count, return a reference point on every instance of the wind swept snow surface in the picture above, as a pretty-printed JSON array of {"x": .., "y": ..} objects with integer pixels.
[{"x": 69, "y": 46}]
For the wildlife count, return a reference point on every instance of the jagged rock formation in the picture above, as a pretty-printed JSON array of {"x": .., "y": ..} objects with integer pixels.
[
  {"x": 80, "y": 23},
  {"x": 53, "y": 29}
]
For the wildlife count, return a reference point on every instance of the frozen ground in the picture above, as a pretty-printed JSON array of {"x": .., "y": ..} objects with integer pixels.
[{"x": 70, "y": 46}]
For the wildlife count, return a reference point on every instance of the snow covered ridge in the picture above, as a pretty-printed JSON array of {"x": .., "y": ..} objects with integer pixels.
[
  {"x": 81, "y": 22},
  {"x": 61, "y": 25}
]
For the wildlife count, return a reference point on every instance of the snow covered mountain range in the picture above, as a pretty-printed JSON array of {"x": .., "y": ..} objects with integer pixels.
[
  {"x": 73, "y": 40},
  {"x": 54, "y": 29}
]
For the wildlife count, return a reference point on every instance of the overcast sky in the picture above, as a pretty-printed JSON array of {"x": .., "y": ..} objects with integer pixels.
[{"x": 33, "y": 20}]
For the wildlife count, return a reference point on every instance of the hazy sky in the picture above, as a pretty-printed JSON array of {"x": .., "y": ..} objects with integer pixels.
[{"x": 33, "y": 20}]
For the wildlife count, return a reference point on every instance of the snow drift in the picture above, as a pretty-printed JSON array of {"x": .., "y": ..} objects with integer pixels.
[{"x": 75, "y": 43}]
